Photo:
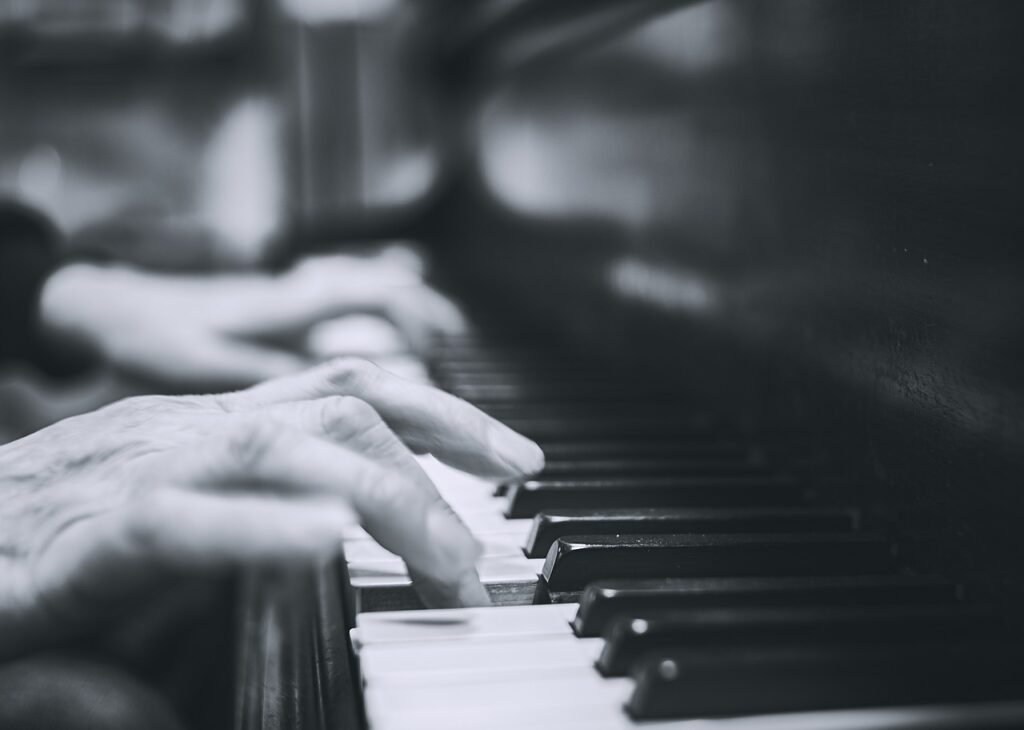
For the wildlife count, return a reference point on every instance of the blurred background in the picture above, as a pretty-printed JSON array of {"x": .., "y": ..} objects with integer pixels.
[
  {"x": 806, "y": 210},
  {"x": 202, "y": 136}
]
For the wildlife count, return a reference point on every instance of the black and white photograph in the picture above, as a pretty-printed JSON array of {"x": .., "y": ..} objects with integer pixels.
[{"x": 511, "y": 364}]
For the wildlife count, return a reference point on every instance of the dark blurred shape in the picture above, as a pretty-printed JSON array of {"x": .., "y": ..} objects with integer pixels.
[
  {"x": 805, "y": 210},
  {"x": 479, "y": 41},
  {"x": 47, "y": 31},
  {"x": 146, "y": 129},
  {"x": 801, "y": 213}
]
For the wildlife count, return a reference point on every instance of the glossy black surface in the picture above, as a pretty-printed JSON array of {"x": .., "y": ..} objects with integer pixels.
[
  {"x": 805, "y": 211},
  {"x": 575, "y": 561},
  {"x": 647, "y": 467},
  {"x": 653, "y": 448},
  {"x": 629, "y": 639},
  {"x": 526, "y": 499},
  {"x": 550, "y": 525},
  {"x": 686, "y": 683},
  {"x": 605, "y": 600}
]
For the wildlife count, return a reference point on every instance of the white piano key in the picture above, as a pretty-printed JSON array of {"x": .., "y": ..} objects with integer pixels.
[
  {"x": 491, "y": 570},
  {"x": 471, "y": 504},
  {"x": 933, "y": 717},
  {"x": 491, "y": 517},
  {"x": 520, "y": 529},
  {"x": 494, "y": 546},
  {"x": 463, "y": 624},
  {"x": 399, "y": 682},
  {"x": 453, "y": 481},
  {"x": 485, "y": 524},
  {"x": 356, "y": 532},
  {"x": 479, "y": 702},
  {"x": 567, "y": 698},
  {"x": 455, "y": 661},
  {"x": 571, "y": 700}
]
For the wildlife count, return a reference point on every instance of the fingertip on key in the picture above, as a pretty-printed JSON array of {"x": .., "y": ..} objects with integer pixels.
[
  {"x": 471, "y": 592},
  {"x": 521, "y": 455}
]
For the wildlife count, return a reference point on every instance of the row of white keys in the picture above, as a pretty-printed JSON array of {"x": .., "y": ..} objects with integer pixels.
[
  {"x": 472, "y": 498},
  {"x": 521, "y": 667}
]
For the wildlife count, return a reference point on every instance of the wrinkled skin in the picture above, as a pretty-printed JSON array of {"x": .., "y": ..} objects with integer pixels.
[{"x": 100, "y": 510}]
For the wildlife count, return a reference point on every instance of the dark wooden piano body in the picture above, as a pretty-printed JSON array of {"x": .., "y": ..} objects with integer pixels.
[{"x": 806, "y": 212}]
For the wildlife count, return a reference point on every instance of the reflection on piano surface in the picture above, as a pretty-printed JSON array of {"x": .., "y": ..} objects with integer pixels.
[{"x": 749, "y": 273}]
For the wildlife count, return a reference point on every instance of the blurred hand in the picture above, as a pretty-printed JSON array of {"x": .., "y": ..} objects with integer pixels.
[
  {"x": 101, "y": 510},
  {"x": 218, "y": 331}
]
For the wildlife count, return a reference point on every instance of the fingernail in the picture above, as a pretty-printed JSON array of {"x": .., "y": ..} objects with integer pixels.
[{"x": 519, "y": 453}]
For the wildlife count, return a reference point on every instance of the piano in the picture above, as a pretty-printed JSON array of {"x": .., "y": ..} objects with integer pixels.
[{"x": 750, "y": 273}]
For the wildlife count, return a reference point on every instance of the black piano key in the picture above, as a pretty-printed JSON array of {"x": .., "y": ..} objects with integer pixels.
[
  {"x": 630, "y": 639},
  {"x": 453, "y": 372},
  {"x": 702, "y": 683},
  {"x": 550, "y": 525},
  {"x": 499, "y": 354},
  {"x": 676, "y": 466},
  {"x": 556, "y": 429},
  {"x": 693, "y": 448},
  {"x": 575, "y": 561},
  {"x": 527, "y": 498},
  {"x": 537, "y": 387},
  {"x": 576, "y": 392},
  {"x": 601, "y": 412},
  {"x": 569, "y": 376},
  {"x": 605, "y": 600},
  {"x": 617, "y": 468},
  {"x": 629, "y": 466}
]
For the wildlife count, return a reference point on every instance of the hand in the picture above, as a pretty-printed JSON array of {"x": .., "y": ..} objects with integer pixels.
[
  {"x": 103, "y": 509},
  {"x": 214, "y": 332}
]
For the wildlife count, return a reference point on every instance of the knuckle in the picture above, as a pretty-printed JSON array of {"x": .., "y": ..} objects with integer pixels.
[
  {"x": 352, "y": 375},
  {"x": 249, "y": 442},
  {"x": 132, "y": 405},
  {"x": 143, "y": 522},
  {"x": 148, "y": 406},
  {"x": 345, "y": 417},
  {"x": 350, "y": 410},
  {"x": 392, "y": 492},
  {"x": 225, "y": 402}
]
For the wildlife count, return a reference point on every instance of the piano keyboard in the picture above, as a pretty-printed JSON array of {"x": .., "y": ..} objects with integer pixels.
[{"x": 663, "y": 571}]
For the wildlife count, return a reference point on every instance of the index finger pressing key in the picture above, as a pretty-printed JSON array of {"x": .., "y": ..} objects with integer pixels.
[{"x": 412, "y": 523}]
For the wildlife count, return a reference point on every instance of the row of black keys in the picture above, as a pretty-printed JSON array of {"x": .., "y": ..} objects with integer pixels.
[
  {"x": 736, "y": 594},
  {"x": 742, "y": 645}
]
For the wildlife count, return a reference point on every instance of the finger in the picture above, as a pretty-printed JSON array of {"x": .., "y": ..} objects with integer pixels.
[
  {"x": 218, "y": 363},
  {"x": 326, "y": 287},
  {"x": 100, "y": 563},
  {"x": 421, "y": 314},
  {"x": 404, "y": 518},
  {"x": 426, "y": 419},
  {"x": 187, "y": 529},
  {"x": 354, "y": 423},
  {"x": 358, "y": 334},
  {"x": 405, "y": 256},
  {"x": 438, "y": 310},
  {"x": 315, "y": 290}
]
